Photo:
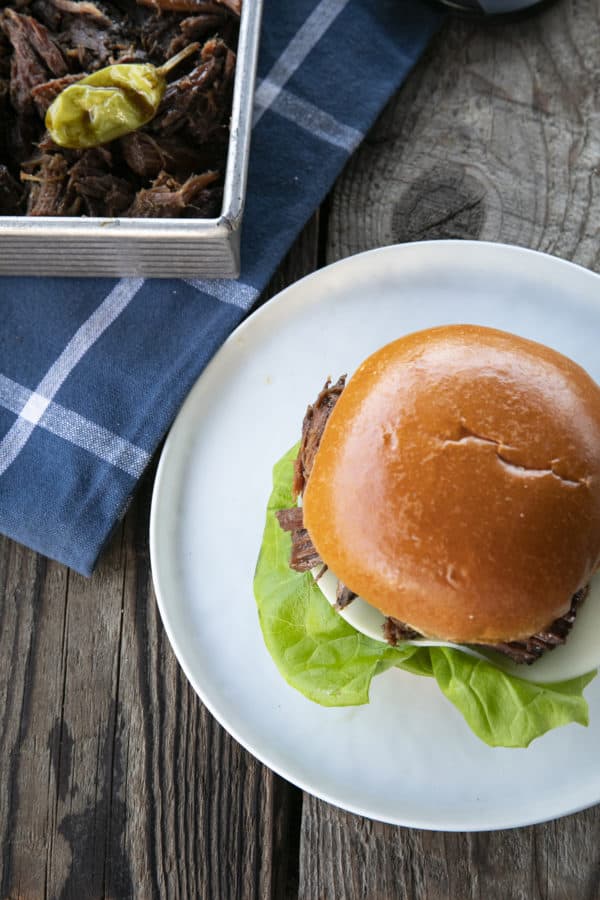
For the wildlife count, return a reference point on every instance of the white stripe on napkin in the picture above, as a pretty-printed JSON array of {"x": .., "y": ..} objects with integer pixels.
[
  {"x": 67, "y": 424},
  {"x": 236, "y": 293},
  {"x": 305, "y": 39},
  {"x": 317, "y": 121},
  {"x": 34, "y": 408},
  {"x": 85, "y": 337}
]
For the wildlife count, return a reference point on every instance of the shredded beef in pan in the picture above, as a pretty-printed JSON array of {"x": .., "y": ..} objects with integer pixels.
[
  {"x": 174, "y": 165},
  {"x": 304, "y": 555}
]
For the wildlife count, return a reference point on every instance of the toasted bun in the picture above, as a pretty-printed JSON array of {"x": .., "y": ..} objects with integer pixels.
[{"x": 457, "y": 484}]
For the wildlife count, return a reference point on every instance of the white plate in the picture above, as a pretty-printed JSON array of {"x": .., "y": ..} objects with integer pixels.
[{"x": 407, "y": 757}]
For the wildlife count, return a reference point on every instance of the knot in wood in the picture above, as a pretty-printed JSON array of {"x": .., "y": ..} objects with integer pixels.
[{"x": 446, "y": 202}]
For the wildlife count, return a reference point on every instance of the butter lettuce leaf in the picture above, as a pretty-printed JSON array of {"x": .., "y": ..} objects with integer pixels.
[
  {"x": 326, "y": 659},
  {"x": 502, "y": 710},
  {"x": 315, "y": 650}
]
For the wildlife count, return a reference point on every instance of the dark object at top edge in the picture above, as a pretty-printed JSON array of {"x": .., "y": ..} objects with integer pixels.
[{"x": 470, "y": 9}]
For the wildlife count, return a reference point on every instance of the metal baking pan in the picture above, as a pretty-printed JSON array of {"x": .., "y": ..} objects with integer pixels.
[{"x": 158, "y": 248}]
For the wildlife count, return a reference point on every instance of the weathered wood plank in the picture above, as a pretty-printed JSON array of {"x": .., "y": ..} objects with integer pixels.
[
  {"x": 345, "y": 856},
  {"x": 493, "y": 137},
  {"x": 114, "y": 780}
]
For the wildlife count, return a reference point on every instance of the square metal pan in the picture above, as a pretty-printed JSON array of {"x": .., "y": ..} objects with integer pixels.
[{"x": 158, "y": 248}]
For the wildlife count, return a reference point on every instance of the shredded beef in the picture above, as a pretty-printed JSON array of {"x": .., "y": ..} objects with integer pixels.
[
  {"x": 530, "y": 650},
  {"x": 157, "y": 34},
  {"x": 35, "y": 57},
  {"x": 526, "y": 652},
  {"x": 194, "y": 6},
  {"x": 234, "y": 5},
  {"x": 165, "y": 35},
  {"x": 198, "y": 27},
  {"x": 343, "y": 596},
  {"x": 304, "y": 555},
  {"x": 45, "y": 94},
  {"x": 46, "y": 12},
  {"x": 5, "y": 51},
  {"x": 290, "y": 519},
  {"x": 168, "y": 198},
  {"x": 321, "y": 572},
  {"x": 93, "y": 188},
  {"x": 197, "y": 104},
  {"x": 46, "y": 185},
  {"x": 148, "y": 156},
  {"x": 10, "y": 192},
  {"x": 5, "y": 135},
  {"x": 90, "y": 44},
  {"x": 174, "y": 165},
  {"x": 395, "y": 631},
  {"x": 313, "y": 427},
  {"x": 83, "y": 8},
  {"x": 93, "y": 35}
]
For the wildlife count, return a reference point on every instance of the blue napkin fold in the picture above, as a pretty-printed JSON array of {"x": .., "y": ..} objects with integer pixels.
[{"x": 93, "y": 371}]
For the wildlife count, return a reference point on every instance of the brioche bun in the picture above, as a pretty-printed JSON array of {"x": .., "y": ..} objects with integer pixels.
[{"x": 457, "y": 484}]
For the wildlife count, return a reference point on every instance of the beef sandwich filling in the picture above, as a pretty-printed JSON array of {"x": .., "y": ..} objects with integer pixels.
[{"x": 304, "y": 556}]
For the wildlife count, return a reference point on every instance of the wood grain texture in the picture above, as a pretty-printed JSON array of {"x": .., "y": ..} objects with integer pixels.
[
  {"x": 494, "y": 137},
  {"x": 115, "y": 782},
  {"x": 119, "y": 784},
  {"x": 345, "y": 856}
]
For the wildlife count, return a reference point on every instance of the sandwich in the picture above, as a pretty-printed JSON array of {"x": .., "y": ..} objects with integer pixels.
[{"x": 450, "y": 489}]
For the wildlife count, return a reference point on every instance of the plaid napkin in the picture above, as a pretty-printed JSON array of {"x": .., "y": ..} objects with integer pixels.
[{"x": 93, "y": 371}]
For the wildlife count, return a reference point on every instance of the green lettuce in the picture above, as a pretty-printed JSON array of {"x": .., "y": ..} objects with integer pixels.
[{"x": 331, "y": 663}]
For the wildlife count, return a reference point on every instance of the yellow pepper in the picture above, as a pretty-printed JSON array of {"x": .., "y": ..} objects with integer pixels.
[{"x": 109, "y": 103}]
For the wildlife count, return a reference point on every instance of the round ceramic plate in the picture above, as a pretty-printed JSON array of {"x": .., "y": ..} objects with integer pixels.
[{"x": 407, "y": 757}]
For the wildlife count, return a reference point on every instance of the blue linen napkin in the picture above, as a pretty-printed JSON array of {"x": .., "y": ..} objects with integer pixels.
[{"x": 93, "y": 371}]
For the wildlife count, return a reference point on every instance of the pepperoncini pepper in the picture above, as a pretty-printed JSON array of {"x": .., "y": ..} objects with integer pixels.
[{"x": 109, "y": 103}]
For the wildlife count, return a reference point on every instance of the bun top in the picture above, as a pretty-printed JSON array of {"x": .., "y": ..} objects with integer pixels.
[{"x": 457, "y": 484}]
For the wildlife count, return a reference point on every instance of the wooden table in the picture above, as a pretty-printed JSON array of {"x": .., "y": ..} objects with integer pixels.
[{"x": 114, "y": 781}]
